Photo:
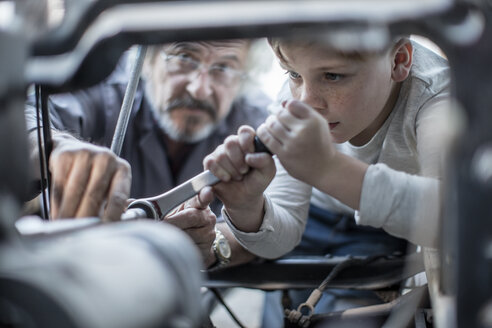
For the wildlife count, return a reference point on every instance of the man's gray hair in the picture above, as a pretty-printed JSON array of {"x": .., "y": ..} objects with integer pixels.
[{"x": 259, "y": 61}]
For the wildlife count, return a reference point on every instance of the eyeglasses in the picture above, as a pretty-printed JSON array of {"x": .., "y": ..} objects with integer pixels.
[{"x": 220, "y": 74}]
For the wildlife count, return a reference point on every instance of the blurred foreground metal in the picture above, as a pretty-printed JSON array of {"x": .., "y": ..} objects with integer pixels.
[
  {"x": 86, "y": 47},
  {"x": 132, "y": 274}
]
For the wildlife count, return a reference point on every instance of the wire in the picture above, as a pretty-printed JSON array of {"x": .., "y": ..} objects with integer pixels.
[
  {"x": 48, "y": 142},
  {"x": 297, "y": 317},
  {"x": 221, "y": 301},
  {"x": 350, "y": 262},
  {"x": 42, "y": 162}
]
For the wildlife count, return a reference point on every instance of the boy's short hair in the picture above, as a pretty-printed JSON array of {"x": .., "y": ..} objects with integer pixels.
[{"x": 352, "y": 44}]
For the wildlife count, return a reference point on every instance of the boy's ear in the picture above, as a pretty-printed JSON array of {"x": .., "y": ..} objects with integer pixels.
[{"x": 402, "y": 60}]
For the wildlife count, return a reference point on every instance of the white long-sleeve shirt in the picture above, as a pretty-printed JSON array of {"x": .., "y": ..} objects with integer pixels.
[{"x": 400, "y": 191}]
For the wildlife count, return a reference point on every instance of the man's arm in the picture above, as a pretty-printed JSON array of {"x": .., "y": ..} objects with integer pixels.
[
  {"x": 87, "y": 180},
  {"x": 199, "y": 222}
]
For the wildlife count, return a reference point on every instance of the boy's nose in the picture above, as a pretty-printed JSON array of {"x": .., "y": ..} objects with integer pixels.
[
  {"x": 311, "y": 97},
  {"x": 199, "y": 85}
]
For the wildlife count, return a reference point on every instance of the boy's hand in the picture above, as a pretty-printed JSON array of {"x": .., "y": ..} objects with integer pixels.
[
  {"x": 244, "y": 175},
  {"x": 87, "y": 180},
  {"x": 300, "y": 137}
]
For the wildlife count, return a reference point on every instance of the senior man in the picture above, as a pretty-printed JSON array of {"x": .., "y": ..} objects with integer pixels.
[{"x": 190, "y": 99}]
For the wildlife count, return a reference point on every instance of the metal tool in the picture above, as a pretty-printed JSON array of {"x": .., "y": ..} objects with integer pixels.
[
  {"x": 158, "y": 206},
  {"x": 126, "y": 107}
]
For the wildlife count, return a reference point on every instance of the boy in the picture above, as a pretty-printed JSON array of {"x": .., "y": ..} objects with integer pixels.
[{"x": 373, "y": 160}]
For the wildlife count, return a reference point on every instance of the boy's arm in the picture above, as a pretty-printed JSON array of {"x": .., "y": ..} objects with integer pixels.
[
  {"x": 301, "y": 139},
  {"x": 268, "y": 224},
  {"x": 286, "y": 209},
  {"x": 239, "y": 254},
  {"x": 409, "y": 205},
  {"x": 404, "y": 205},
  {"x": 244, "y": 175}
]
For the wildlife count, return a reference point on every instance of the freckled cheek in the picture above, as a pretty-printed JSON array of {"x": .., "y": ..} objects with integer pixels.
[
  {"x": 337, "y": 104},
  {"x": 374, "y": 100},
  {"x": 363, "y": 95},
  {"x": 296, "y": 94}
]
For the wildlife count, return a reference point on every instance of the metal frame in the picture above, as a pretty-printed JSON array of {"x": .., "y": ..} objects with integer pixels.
[{"x": 104, "y": 29}]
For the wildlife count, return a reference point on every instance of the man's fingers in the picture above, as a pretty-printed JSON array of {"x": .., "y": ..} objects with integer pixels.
[
  {"x": 59, "y": 168},
  {"x": 203, "y": 199},
  {"x": 84, "y": 178},
  {"x": 118, "y": 194},
  {"x": 198, "y": 204},
  {"x": 75, "y": 186},
  {"x": 102, "y": 173},
  {"x": 192, "y": 218}
]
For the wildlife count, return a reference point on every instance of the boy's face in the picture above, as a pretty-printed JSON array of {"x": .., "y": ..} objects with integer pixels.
[{"x": 353, "y": 94}]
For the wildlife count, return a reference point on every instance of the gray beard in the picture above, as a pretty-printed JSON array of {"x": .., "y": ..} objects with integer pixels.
[
  {"x": 176, "y": 134},
  {"x": 169, "y": 128}
]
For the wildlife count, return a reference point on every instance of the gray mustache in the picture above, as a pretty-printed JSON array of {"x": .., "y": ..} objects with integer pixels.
[{"x": 190, "y": 102}]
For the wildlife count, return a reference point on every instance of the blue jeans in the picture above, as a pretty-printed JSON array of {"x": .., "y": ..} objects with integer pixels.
[{"x": 337, "y": 235}]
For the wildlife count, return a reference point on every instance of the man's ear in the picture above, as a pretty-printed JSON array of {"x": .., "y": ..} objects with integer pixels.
[
  {"x": 148, "y": 64},
  {"x": 402, "y": 60},
  {"x": 146, "y": 68}
]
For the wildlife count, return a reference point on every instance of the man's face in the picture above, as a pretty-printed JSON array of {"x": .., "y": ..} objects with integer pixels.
[
  {"x": 351, "y": 93},
  {"x": 193, "y": 85}
]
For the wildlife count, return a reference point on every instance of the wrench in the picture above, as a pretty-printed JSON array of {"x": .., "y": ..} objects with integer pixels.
[{"x": 158, "y": 206}]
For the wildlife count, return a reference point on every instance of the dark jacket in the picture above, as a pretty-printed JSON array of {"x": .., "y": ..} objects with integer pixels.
[{"x": 92, "y": 115}]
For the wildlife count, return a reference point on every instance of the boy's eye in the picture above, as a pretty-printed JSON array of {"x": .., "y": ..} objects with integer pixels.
[
  {"x": 332, "y": 76},
  {"x": 293, "y": 75}
]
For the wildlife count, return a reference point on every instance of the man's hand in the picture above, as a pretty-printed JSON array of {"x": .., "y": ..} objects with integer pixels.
[
  {"x": 196, "y": 219},
  {"x": 87, "y": 180}
]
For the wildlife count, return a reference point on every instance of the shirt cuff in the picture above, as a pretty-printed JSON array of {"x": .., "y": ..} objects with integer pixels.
[{"x": 256, "y": 242}]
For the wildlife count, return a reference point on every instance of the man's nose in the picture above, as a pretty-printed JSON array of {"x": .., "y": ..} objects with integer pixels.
[{"x": 199, "y": 85}]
